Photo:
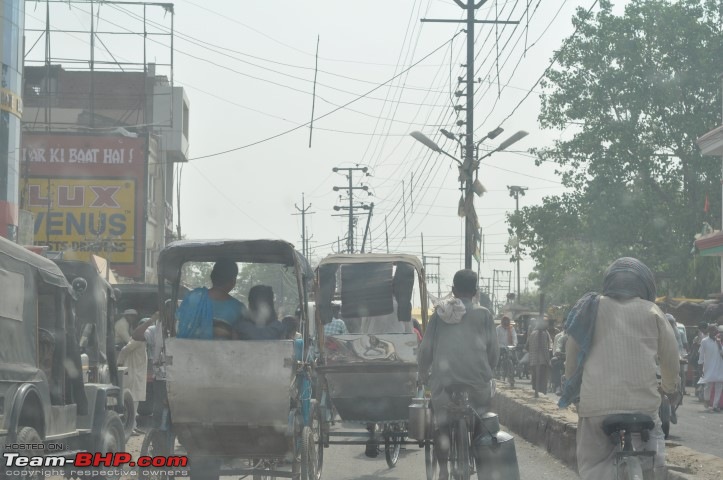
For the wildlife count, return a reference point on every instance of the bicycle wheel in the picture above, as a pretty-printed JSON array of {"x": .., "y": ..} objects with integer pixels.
[
  {"x": 460, "y": 443},
  {"x": 631, "y": 469},
  {"x": 664, "y": 413},
  {"x": 317, "y": 428},
  {"x": 308, "y": 454},
  {"x": 510, "y": 372},
  {"x": 392, "y": 445},
  {"x": 430, "y": 461}
]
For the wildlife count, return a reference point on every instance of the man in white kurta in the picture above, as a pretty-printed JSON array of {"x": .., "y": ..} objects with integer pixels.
[
  {"x": 134, "y": 356},
  {"x": 712, "y": 360}
]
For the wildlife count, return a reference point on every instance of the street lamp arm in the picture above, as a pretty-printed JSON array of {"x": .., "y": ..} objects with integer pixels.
[
  {"x": 429, "y": 143},
  {"x": 516, "y": 137},
  {"x": 452, "y": 157}
]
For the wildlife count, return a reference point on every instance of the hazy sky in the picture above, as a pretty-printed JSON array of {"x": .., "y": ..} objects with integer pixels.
[{"x": 248, "y": 68}]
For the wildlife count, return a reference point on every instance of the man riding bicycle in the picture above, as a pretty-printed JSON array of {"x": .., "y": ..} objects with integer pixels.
[
  {"x": 614, "y": 341},
  {"x": 459, "y": 347}
]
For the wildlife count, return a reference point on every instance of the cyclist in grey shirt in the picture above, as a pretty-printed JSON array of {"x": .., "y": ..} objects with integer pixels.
[{"x": 458, "y": 347}]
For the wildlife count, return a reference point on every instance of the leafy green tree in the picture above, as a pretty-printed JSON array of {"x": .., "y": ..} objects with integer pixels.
[{"x": 635, "y": 90}]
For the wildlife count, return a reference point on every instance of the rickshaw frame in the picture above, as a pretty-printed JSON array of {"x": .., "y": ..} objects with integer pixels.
[
  {"x": 170, "y": 267},
  {"x": 393, "y": 432}
]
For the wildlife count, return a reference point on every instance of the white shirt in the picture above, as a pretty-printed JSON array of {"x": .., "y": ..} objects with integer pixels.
[
  {"x": 122, "y": 331},
  {"x": 502, "y": 336},
  {"x": 135, "y": 358},
  {"x": 711, "y": 360}
]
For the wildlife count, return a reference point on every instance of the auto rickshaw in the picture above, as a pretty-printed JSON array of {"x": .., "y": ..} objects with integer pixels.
[
  {"x": 95, "y": 310},
  {"x": 369, "y": 375},
  {"x": 44, "y": 397},
  {"x": 243, "y": 407}
]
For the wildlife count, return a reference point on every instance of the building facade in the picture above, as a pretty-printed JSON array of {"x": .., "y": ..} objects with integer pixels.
[
  {"x": 711, "y": 244},
  {"x": 12, "y": 20},
  {"x": 97, "y": 170}
]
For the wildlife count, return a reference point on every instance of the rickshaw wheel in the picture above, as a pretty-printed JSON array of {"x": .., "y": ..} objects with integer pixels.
[
  {"x": 317, "y": 429},
  {"x": 392, "y": 445},
  {"x": 430, "y": 461},
  {"x": 308, "y": 455}
]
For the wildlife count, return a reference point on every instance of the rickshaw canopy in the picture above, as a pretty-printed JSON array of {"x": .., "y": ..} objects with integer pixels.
[
  {"x": 369, "y": 284},
  {"x": 374, "y": 258},
  {"x": 172, "y": 258}
]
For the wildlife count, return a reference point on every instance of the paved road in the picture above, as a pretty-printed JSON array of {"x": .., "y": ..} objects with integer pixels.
[
  {"x": 349, "y": 463},
  {"x": 696, "y": 428}
]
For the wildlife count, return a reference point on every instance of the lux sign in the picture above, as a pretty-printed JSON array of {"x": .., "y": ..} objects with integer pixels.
[{"x": 74, "y": 196}]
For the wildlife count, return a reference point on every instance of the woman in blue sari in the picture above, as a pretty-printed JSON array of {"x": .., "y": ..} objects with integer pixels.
[{"x": 207, "y": 309}]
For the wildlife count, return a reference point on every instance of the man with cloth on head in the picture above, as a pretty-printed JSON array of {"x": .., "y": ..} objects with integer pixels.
[
  {"x": 459, "y": 347},
  {"x": 614, "y": 341}
]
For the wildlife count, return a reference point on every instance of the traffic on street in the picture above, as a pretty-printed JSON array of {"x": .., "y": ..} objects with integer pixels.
[{"x": 432, "y": 239}]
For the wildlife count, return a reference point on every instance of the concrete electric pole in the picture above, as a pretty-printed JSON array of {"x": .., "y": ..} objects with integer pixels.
[
  {"x": 470, "y": 163},
  {"x": 516, "y": 191},
  {"x": 350, "y": 176},
  {"x": 304, "y": 211}
]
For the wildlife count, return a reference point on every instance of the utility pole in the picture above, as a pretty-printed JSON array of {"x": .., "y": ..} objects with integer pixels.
[
  {"x": 366, "y": 230},
  {"x": 470, "y": 163},
  {"x": 351, "y": 188},
  {"x": 303, "y": 211},
  {"x": 433, "y": 261},
  {"x": 516, "y": 191},
  {"x": 386, "y": 232}
]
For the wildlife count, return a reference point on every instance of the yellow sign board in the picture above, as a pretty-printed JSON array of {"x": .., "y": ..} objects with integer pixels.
[{"x": 85, "y": 216}]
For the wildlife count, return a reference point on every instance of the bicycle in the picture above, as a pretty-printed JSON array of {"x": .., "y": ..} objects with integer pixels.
[
  {"x": 506, "y": 367},
  {"x": 463, "y": 421},
  {"x": 630, "y": 464}
]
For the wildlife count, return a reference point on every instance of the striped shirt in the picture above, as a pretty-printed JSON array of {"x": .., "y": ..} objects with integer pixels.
[
  {"x": 619, "y": 375},
  {"x": 335, "y": 327}
]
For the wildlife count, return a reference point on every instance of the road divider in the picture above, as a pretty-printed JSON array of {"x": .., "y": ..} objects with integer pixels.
[{"x": 541, "y": 422}]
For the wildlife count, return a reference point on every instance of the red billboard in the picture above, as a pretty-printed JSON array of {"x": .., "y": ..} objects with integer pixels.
[{"x": 88, "y": 196}]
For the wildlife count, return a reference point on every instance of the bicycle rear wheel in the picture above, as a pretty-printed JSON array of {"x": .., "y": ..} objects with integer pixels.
[
  {"x": 632, "y": 469},
  {"x": 459, "y": 453},
  {"x": 430, "y": 461},
  {"x": 510, "y": 372}
]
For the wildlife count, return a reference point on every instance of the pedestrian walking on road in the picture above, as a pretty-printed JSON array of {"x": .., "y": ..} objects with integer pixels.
[
  {"x": 614, "y": 339},
  {"x": 539, "y": 344},
  {"x": 711, "y": 357}
]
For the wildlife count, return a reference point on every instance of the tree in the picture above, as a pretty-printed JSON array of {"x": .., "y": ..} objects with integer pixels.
[{"x": 636, "y": 90}]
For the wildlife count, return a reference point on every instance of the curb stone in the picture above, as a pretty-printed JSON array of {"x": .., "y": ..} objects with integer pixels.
[{"x": 541, "y": 422}]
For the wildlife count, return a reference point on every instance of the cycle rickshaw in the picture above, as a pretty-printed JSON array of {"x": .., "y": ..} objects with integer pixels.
[
  {"x": 242, "y": 407},
  {"x": 369, "y": 375}
]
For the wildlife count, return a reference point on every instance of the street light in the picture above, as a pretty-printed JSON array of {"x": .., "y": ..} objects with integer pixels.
[
  {"x": 466, "y": 177},
  {"x": 429, "y": 143},
  {"x": 516, "y": 137},
  {"x": 448, "y": 134}
]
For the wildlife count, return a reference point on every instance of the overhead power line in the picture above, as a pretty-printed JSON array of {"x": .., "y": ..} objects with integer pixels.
[
  {"x": 350, "y": 102},
  {"x": 555, "y": 57}
]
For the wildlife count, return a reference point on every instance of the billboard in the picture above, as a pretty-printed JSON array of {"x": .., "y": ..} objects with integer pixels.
[{"x": 87, "y": 194}]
